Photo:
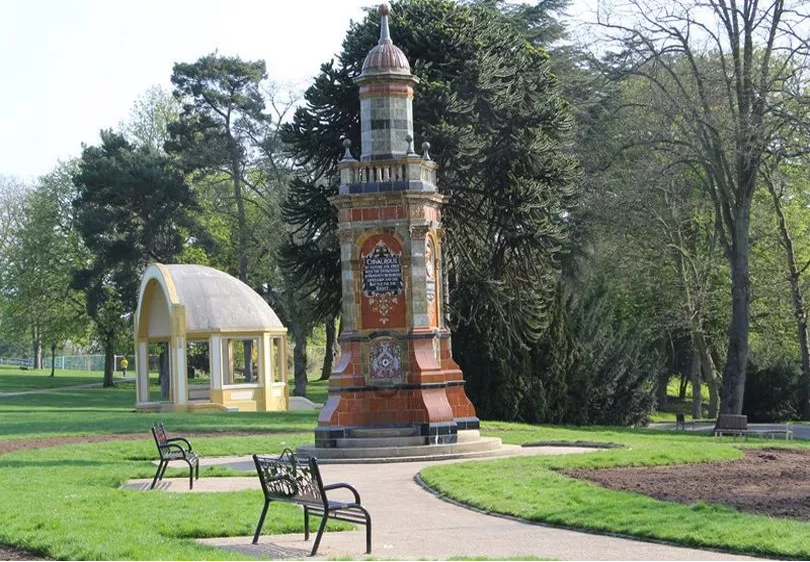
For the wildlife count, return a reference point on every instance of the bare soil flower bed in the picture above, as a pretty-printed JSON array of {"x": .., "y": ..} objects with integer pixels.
[{"x": 773, "y": 482}]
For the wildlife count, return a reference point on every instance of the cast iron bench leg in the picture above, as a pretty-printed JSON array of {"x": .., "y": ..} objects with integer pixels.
[
  {"x": 158, "y": 475},
  {"x": 261, "y": 522},
  {"x": 320, "y": 533},
  {"x": 306, "y": 523},
  {"x": 368, "y": 532}
]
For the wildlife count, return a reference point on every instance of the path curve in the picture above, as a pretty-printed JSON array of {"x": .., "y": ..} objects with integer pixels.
[{"x": 410, "y": 523}]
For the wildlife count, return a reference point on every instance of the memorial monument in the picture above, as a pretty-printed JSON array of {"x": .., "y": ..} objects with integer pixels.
[{"x": 395, "y": 385}]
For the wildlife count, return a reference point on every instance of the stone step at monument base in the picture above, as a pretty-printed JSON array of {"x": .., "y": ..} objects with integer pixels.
[
  {"x": 372, "y": 442},
  {"x": 375, "y": 437},
  {"x": 372, "y": 432},
  {"x": 465, "y": 448}
]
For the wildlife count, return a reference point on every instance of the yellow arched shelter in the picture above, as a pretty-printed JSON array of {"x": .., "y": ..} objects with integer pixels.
[{"x": 193, "y": 305}]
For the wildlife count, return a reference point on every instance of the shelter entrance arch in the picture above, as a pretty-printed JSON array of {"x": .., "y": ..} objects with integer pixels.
[{"x": 221, "y": 345}]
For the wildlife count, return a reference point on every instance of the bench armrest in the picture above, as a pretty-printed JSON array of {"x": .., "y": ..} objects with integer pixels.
[
  {"x": 183, "y": 439},
  {"x": 344, "y": 485},
  {"x": 175, "y": 446}
]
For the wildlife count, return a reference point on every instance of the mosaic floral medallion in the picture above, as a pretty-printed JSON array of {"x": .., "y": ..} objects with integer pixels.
[{"x": 385, "y": 361}]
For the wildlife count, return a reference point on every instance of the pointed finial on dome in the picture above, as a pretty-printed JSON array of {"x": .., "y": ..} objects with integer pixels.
[{"x": 384, "y": 9}]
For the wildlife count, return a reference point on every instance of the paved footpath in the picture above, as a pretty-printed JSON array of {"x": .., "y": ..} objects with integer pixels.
[{"x": 410, "y": 523}]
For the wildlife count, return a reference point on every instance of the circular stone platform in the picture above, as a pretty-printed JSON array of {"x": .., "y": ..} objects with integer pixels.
[{"x": 383, "y": 448}]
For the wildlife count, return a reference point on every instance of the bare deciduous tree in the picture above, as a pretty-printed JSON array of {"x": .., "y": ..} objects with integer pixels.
[{"x": 725, "y": 71}]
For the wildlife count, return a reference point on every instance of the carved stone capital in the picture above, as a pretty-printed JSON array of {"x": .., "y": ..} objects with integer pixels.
[
  {"x": 346, "y": 236},
  {"x": 419, "y": 231}
]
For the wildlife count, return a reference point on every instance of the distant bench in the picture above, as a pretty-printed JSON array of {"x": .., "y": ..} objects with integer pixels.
[
  {"x": 291, "y": 480},
  {"x": 737, "y": 425},
  {"x": 174, "y": 449}
]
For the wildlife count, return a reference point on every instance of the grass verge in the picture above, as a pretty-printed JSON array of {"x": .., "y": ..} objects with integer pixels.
[{"x": 531, "y": 488}]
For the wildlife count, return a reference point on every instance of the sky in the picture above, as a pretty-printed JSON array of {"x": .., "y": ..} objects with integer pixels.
[{"x": 73, "y": 67}]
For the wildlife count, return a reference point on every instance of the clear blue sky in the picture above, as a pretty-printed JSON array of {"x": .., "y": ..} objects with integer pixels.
[{"x": 72, "y": 67}]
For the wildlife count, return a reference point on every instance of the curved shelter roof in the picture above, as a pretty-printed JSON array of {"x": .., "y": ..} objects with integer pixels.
[{"x": 213, "y": 301}]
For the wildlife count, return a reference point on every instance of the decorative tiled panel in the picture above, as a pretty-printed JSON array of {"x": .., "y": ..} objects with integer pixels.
[
  {"x": 432, "y": 282},
  {"x": 381, "y": 288},
  {"x": 385, "y": 362}
]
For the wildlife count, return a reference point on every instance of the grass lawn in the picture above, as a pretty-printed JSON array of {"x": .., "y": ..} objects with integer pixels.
[
  {"x": 532, "y": 489},
  {"x": 14, "y": 380},
  {"x": 64, "y": 502}
]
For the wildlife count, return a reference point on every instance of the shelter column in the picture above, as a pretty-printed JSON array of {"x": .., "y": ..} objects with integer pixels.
[
  {"x": 215, "y": 362},
  {"x": 142, "y": 371},
  {"x": 177, "y": 351}
]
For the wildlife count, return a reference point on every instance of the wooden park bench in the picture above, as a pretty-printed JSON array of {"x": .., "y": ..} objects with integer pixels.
[
  {"x": 737, "y": 425},
  {"x": 174, "y": 449},
  {"x": 289, "y": 479},
  {"x": 731, "y": 424}
]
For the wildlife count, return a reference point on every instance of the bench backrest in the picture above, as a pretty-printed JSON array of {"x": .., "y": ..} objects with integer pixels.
[
  {"x": 287, "y": 478},
  {"x": 159, "y": 433},
  {"x": 732, "y": 421}
]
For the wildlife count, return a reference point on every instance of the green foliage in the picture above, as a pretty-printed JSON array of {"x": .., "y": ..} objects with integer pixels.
[
  {"x": 771, "y": 392},
  {"x": 150, "y": 117},
  {"x": 222, "y": 112},
  {"x": 131, "y": 207},
  {"x": 590, "y": 367},
  {"x": 35, "y": 278}
]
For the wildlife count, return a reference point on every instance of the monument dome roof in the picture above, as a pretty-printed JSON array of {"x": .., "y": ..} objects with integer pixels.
[{"x": 385, "y": 57}]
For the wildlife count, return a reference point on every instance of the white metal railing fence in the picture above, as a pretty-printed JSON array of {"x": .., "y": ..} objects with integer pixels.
[
  {"x": 88, "y": 363},
  {"x": 16, "y": 362}
]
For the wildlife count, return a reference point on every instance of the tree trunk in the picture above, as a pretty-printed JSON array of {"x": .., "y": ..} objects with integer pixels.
[
  {"x": 685, "y": 378},
  {"x": 37, "y": 347},
  {"x": 713, "y": 378},
  {"x": 694, "y": 372},
  {"x": 163, "y": 372},
  {"x": 109, "y": 364},
  {"x": 248, "y": 360},
  {"x": 737, "y": 356},
  {"x": 53, "y": 359},
  {"x": 661, "y": 390},
  {"x": 300, "y": 362},
  {"x": 799, "y": 307},
  {"x": 329, "y": 351},
  {"x": 242, "y": 249},
  {"x": 709, "y": 369}
]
